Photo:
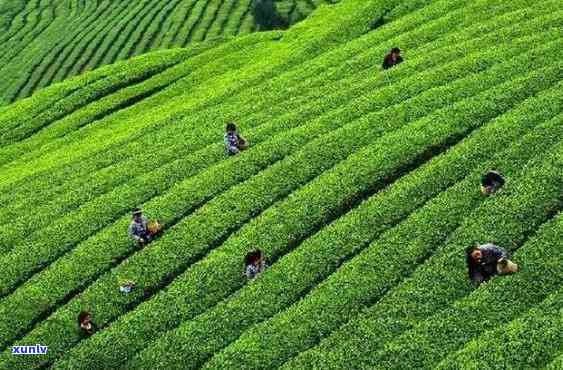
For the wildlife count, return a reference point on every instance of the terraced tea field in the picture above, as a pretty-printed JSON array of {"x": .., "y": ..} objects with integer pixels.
[
  {"x": 361, "y": 185},
  {"x": 46, "y": 41}
]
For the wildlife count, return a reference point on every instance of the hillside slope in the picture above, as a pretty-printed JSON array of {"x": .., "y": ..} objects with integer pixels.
[
  {"x": 45, "y": 41},
  {"x": 361, "y": 186}
]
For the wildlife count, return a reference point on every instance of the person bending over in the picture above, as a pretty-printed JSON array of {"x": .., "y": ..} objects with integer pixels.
[
  {"x": 487, "y": 260},
  {"x": 234, "y": 142},
  {"x": 141, "y": 230},
  {"x": 254, "y": 264},
  {"x": 491, "y": 182},
  {"x": 87, "y": 327},
  {"x": 393, "y": 58}
]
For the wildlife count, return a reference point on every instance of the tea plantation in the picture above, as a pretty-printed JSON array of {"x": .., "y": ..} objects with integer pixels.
[
  {"x": 45, "y": 41},
  {"x": 361, "y": 185}
]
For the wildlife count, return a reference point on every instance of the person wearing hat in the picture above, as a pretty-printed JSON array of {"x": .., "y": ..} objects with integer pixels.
[
  {"x": 138, "y": 229},
  {"x": 392, "y": 59}
]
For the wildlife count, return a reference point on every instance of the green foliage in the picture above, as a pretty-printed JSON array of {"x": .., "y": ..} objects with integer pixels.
[
  {"x": 49, "y": 42},
  {"x": 534, "y": 337},
  {"x": 361, "y": 185}
]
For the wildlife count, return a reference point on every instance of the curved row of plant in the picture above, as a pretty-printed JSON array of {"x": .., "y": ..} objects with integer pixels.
[
  {"x": 156, "y": 256},
  {"x": 428, "y": 101},
  {"x": 264, "y": 117},
  {"x": 221, "y": 324},
  {"x": 219, "y": 274},
  {"x": 383, "y": 264},
  {"x": 17, "y": 228},
  {"x": 105, "y": 133},
  {"x": 132, "y": 29},
  {"x": 522, "y": 208},
  {"x": 282, "y": 51},
  {"x": 320, "y": 127},
  {"x": 44, "y": 187},
  {"x": 534, "y": 337},
  {"x": 36, "y": 188},
  {"x": 163, "y": 156},
  {"x": 46, "y": 70},
  {"x": 36, "y": 21},
  {"x": 351, "y": 139},
  {"x": 25, "y": 52},
  {"x": 386, "y": 96},
  {"x": 497, "y": 304},
  {"x": 16, "y": 130}
]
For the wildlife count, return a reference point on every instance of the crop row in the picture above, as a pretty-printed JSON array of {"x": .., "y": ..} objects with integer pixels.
[
  {"x": 320, "y": 127},
  {"x": 358, "y": 136},
  {"x": 228, "y": 19},
  {"x": 167, "y": 38},
  {"x": 35, "y": 187},
  {"x": 129, "y": 170},
  {"x": 200, "y": 33},
  {"x": 358, "y": 85},
  {"x": 125, "y": 34},
  {"x": 507, "y": 219},
  {"x": 88, "y": 53},
  {"x": 341, "y": 98},
  {"x": 44, "y": 99},
  {"x": 50, "y": 46},
  {"x": 221, "y": 324},
  {"x": 17, "y": 228},
  {"x": 163, "y": 177},
  {"x": 34, "y": 24},
  {"x": 61, "y": 151},
  {"x": 298, "y": 79},
  {"x": 382, "y": 265},
  {"x": 159, "y": 24},
  {"x": 106, "y": 104},
  {"x": 103, "y": 87},
  {"x": 91, "y": 46},
  {"x": 22, "y": 26},
  {"x": 534, "y": 337},
  {"x": 56, "y": 125},
  {"x": 43, "y": 104},
  {"x": 157, "y": 256},
  {"x": 21, "y": 55},
  {"x": 12, "y": 15},
  {"x": 359, "y": 19},
  {"x": 221, "y": 269},
  {"x": 123, "y": 151},
  {"x": 495, "y": 305},
  {"x": 46, "y": 67},
  {"x": 182, "y": 36},
  {"x": 377, "y": 41}
]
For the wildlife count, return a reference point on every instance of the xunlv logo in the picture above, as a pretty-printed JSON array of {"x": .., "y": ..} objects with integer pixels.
[{"x": 29, "y": 350}]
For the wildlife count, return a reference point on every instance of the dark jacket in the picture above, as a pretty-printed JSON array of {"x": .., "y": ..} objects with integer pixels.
[
  {"x": 388, "y": 61},
  {"x": 84, "y": 333},
  {"x": 487, "y": 268},
  {"x": 492, "y": 178}
]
